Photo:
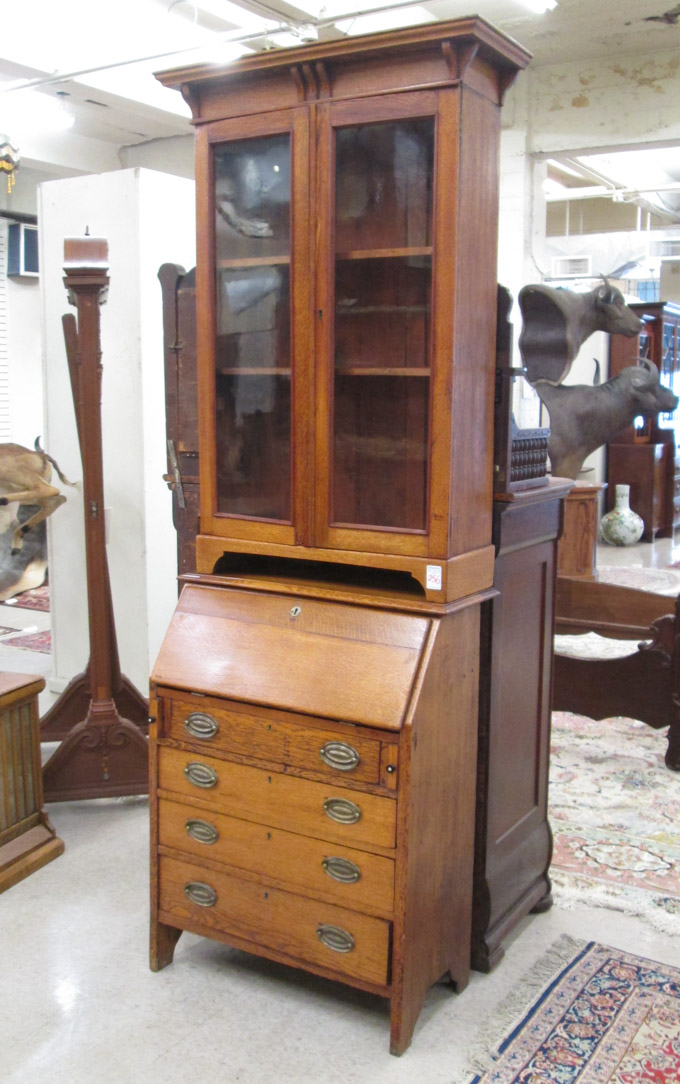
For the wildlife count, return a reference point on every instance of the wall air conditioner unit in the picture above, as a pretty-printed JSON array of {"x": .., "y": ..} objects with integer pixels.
[
  {"x": 666, "y": 250},
  {"x": 22, "y": 251},
  {"x": 572, "y": 267}
]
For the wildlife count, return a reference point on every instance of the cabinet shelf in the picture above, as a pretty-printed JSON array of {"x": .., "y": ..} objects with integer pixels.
[
  {"x": 253, "y": 261},
  {"x": 363, "y": 310},
  {"x": 383, "y": 253},
  {"x": 253, "y": 370},
  {"x": 380, "y": 370}
]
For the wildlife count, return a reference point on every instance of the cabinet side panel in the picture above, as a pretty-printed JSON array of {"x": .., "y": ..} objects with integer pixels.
[
  {"x": 474, "y": 331},
  {"x": 518, "y": 837},
  {"x": 436, "y": 822},
  {"x": 205, "y": 323}
]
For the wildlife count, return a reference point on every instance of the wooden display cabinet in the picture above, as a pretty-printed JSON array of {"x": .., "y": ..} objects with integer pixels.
[
  {"x": 327, "y": 648},
  {"x": 647, "y": 458},
  {"x": 346, "y": 294}
]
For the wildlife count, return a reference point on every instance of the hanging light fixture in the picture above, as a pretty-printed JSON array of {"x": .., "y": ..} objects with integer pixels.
[{"x": 9, "y": 160}]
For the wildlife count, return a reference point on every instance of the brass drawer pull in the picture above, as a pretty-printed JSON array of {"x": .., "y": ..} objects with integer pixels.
[
  {"x": 201, "y": 894},
  {"x": 341, "y": 869},
  {"x": 201, "y": 775},
  {"x": 342, "y": 810},
  {"x": 340, "y": 755},
  {"x": 201, "y": 725},
  {"x": 202, "y": 831},
  {"x": 333, "y": 937}
]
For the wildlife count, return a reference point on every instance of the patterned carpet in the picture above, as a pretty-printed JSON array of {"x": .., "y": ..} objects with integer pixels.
[
  {"x": 661, "y": 581},
  {"x": 37, "y": 598},
  {"x": 32, "y": 641},
  {"x": 595, "y": 1015},
  {"x": 613, "y": 810}
]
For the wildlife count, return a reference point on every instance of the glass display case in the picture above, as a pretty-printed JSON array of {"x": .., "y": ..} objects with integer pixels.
[{"x": 346, "y": 292}]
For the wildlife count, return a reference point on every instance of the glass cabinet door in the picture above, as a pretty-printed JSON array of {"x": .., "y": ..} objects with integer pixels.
[
  {"x": 252, "y": 229},
  {"x": 380, "y": 349}
]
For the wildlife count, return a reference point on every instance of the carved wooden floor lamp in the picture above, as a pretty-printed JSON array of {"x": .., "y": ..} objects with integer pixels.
[{"x": 100, "y": 719}]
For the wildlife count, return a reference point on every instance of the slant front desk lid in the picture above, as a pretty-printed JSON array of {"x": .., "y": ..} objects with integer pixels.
[{"x": 318, "y": 658}]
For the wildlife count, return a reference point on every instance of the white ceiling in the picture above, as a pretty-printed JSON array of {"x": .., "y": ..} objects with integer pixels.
[{"x": 100, "y": 57}]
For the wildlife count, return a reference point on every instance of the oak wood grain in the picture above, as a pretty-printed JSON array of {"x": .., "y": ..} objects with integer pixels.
[
  {"x": 278, "y": 799},
  {"x": 283, "y": 859},
  {"x": 282, "y": 920}
]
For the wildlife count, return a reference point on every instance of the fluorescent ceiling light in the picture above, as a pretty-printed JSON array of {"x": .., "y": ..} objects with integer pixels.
[
  {"x": 385, "y": 20},
  {"x": 284, "y": 39},
  {"x": 540, "y": 6},
  {"x": 27, "y": 111},
  {"x": 234, "y": 13},
  {"x": 221, "y": 52}
]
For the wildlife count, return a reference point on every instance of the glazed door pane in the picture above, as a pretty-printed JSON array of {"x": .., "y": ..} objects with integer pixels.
[
  {"x": 253, "y": 340},
  {"x": 382, "y": 344}
]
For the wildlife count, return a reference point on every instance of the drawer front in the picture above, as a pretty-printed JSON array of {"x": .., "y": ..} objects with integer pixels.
[
  {"x": 355, "y": 879},
  {"x": 314, "y": 748},
  {"x": 301, "y": 805},
  {"x": 321, "y": 933}
]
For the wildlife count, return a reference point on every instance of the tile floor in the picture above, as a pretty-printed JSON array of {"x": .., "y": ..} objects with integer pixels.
[{"x": 79, "y": 1005}]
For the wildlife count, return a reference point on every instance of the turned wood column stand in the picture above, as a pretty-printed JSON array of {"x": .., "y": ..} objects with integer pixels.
[{"x": 100, "y": 719}]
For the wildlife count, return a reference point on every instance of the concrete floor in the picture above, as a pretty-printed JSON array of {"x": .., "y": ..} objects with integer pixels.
[{"x": 79, "y": 1005}]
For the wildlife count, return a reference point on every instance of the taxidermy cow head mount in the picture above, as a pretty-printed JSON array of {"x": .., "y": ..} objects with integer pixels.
[
  {"x": 556, "y": 323},
  {"x": 582, "y": 418}
]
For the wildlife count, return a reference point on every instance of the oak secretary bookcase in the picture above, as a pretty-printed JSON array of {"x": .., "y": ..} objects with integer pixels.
[{"x": 315, "y": 698}]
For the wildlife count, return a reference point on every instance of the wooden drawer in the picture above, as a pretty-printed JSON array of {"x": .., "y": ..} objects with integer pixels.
[
  {"x": 283, "y": 801},
  {"x": 277, "y": 741},
  {"x": 275, "y": 919},
  {"x": 355, "y": 879}
]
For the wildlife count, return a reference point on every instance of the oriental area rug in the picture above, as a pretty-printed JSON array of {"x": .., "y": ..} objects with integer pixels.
[
  {"x": 596, "y": 1016},
  {"x": 36, "y": 598},
  {"x": 32, "y": 641},
  {"x": 613, "y": 809}
]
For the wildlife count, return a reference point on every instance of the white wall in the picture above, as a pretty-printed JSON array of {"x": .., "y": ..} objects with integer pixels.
[
  {"x": 148, "y": 219},
  {"x": 172, "y": 155}
]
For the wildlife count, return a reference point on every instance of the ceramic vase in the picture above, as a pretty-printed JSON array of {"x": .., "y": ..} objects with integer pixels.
[{"x": 622, "y": 526}]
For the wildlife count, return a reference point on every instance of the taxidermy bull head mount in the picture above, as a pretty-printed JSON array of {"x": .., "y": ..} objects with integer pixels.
[
  {"x": 582, "y": 418},
  {"x": 556, "y": 323}
]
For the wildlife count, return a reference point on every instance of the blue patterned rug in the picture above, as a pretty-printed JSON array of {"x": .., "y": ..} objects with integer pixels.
[{"x": 595, "y": 1015}]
